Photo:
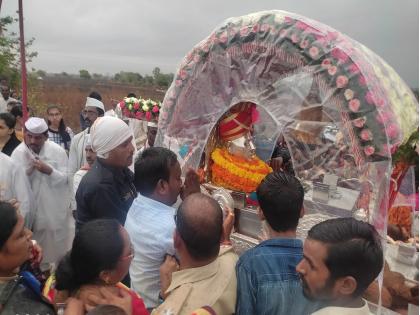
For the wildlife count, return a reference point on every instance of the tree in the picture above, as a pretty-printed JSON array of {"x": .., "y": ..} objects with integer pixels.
[
  {"x": 84, "y": 74},
  {"x": 41, "y": 73},
  {"x": 156, "y": 73},
  {"x": 10, "y": 52}
]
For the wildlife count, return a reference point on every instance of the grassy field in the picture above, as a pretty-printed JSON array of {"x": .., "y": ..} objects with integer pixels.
[{"x": 71, "y": 94}]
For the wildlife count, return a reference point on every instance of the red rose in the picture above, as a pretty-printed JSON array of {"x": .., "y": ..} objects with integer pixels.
[
  {"x": 148, "y": 116},
  {"x": 136, "y": 106},
  {"x": 122, "y": 105},
  {"x": 155, "y": 109},
  {"x": 366, "y": 135}
]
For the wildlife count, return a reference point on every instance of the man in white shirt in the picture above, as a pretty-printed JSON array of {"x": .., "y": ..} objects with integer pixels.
[
  {"x": 5, "y": 98},
  {"x": 94, "y": 108},
  {"x": 15, "y": 185},
  {"x": 150, "y": 220},
  {"x": 341, "y": 257},
  {"x": 45, "y": 163}
]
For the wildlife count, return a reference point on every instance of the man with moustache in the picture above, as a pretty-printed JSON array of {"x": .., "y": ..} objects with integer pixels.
[
  {"x": 107, "y": 190},
  {"x": 341, "y": 258},
  {"x": 45, "y": 164},
  {"x": 94, "y": 108}
]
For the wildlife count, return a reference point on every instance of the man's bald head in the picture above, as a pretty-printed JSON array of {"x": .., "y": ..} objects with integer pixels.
[{"x": 199, "y": 222}]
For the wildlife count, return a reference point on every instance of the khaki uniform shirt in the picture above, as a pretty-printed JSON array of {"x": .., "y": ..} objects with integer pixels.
[{"x": 212, "y": 285}]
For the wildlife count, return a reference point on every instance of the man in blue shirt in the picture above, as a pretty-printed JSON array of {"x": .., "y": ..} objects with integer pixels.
[
  {"x": 150, "y": 220},
  {"x": 267, "y": 280}
]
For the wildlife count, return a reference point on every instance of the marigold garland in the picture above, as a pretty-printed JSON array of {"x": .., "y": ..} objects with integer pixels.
[{"x": 237, "y": 173}]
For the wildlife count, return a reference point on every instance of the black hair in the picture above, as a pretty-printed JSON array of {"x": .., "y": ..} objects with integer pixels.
[
  {"x": 354, "y": 249},
  {"x": 280, "y": 196},
  {"x": 8, "y": 221},
  {"x": 9, "y": 119},
  {"x": 17, "y": 111},
  {"x": 96, "y": 247},
  {"x": 198, "y": 221},
  {"x": 131, "y": 95},
  {"x": 95, "y": 95},
  {"x": 61, "y": 127},
  {"x": 153, "y": 165},
  {"x": 105, "y": 309}
]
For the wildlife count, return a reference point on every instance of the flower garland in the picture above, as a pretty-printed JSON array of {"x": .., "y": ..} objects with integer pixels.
[
  {"x": 237, "y": 173},
  {"x": 139, "y": 108}
]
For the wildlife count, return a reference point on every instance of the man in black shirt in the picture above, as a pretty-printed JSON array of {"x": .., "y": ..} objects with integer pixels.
[{"x": 107, "y": 190}]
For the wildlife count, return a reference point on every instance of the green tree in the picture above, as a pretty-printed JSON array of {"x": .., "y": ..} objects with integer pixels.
[
  {"x": 84, "y": 74},
  {"x": 41, "y": 73},
  {"x": 10, "y": 52}
]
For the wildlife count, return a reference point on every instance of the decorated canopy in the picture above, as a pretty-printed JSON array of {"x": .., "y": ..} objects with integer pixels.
[{"x": 341, "y": 108}]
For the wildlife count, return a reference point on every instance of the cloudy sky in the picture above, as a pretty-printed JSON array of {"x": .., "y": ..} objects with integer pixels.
[{"x": 106, "y": 36}]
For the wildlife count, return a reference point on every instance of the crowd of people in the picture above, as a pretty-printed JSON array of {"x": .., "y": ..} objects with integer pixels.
[{"x": 102, "y": 239}]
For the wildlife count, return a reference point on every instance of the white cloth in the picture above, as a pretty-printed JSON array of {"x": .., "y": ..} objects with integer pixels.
[
  {"x": 14, "y": 184},
  {"x": 334, "y": 310},
  {"x": 107, "y": 133},
  {"x": 77, "y": 179},
  {"x": 93, "y": 102},
  {"x": 150, "y": 225},
  {"x": 36, "y": 125},
  {"x": 3, "y": 103},
  {"x": 52, "y": 198},
  {"x": 77, "y": 155}
]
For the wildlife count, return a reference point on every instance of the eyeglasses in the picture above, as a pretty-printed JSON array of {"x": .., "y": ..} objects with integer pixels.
[{"x": 130, "y": 256}]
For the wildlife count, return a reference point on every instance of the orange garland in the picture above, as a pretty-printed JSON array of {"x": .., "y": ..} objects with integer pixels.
[{"x": 237, "y": 173}]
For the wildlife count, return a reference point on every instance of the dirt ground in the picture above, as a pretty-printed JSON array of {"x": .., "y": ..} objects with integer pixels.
[{"x": 71, "y": 94}]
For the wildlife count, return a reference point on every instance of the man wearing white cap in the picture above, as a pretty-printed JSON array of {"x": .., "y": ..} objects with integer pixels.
[
  {"x": 107, "y": 190},
  {"x": 45, "y": 163},
  {"x": 94, "y": 108}
]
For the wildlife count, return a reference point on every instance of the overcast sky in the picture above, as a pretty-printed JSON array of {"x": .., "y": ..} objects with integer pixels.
[{"x": 106, "y": 36}]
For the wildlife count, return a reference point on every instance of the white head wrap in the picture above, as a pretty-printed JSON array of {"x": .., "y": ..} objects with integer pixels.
[
  {"x": 36, "y": 125},
  {"x": 152, "y": 124},
  {"x": 93, "y": 102},
  {"x": 107, "y": 133}
]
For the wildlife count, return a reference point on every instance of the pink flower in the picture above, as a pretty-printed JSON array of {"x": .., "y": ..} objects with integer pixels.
[
  {"x": 223, "y": 37},
  {"x": 294, "y": 38},
  {"x": 155, "y": 109},
  {"x": 366, "y": 135},
  {"x": 326, "y": 63},
  {"x": 256, "y": 28},
  {"x": 139, "y": 115},
  {"x": 339, "y": 55},
  {"x": 369, "y": 150},
  {"x": 265, "y": 28},
  {"x": 370, "y": 98},
  {"x": 348, "y": 94},
  {"x": 283, "y": 33},
  {"x": 122, "y": 105},
  {"x": 196, "y": 58},
  {"x": 354, "y": 69},
  {"x": 332, "y": 70},
  {"x": 313, "y": 52},
  {"x": 392, "y": 130},
  {"x": 178, "y": 82},
  {"x": 148, "y": 115},
  {"x": 300, "y": 25},
  {"x": 359, "y": 122},
  {"x": 341, "y": 81},
  {"x": 182, "y": 74},
  {"x": 288, "y": 20},
  {"x": 383, "y": 117},
  {"x": 136, "y": 106},
  {"x": 304, "y": 44},
  {"x": 362, "y": 80},
  {"x": 244, "y": 31},
  {"x": 354, "y": 105}
]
